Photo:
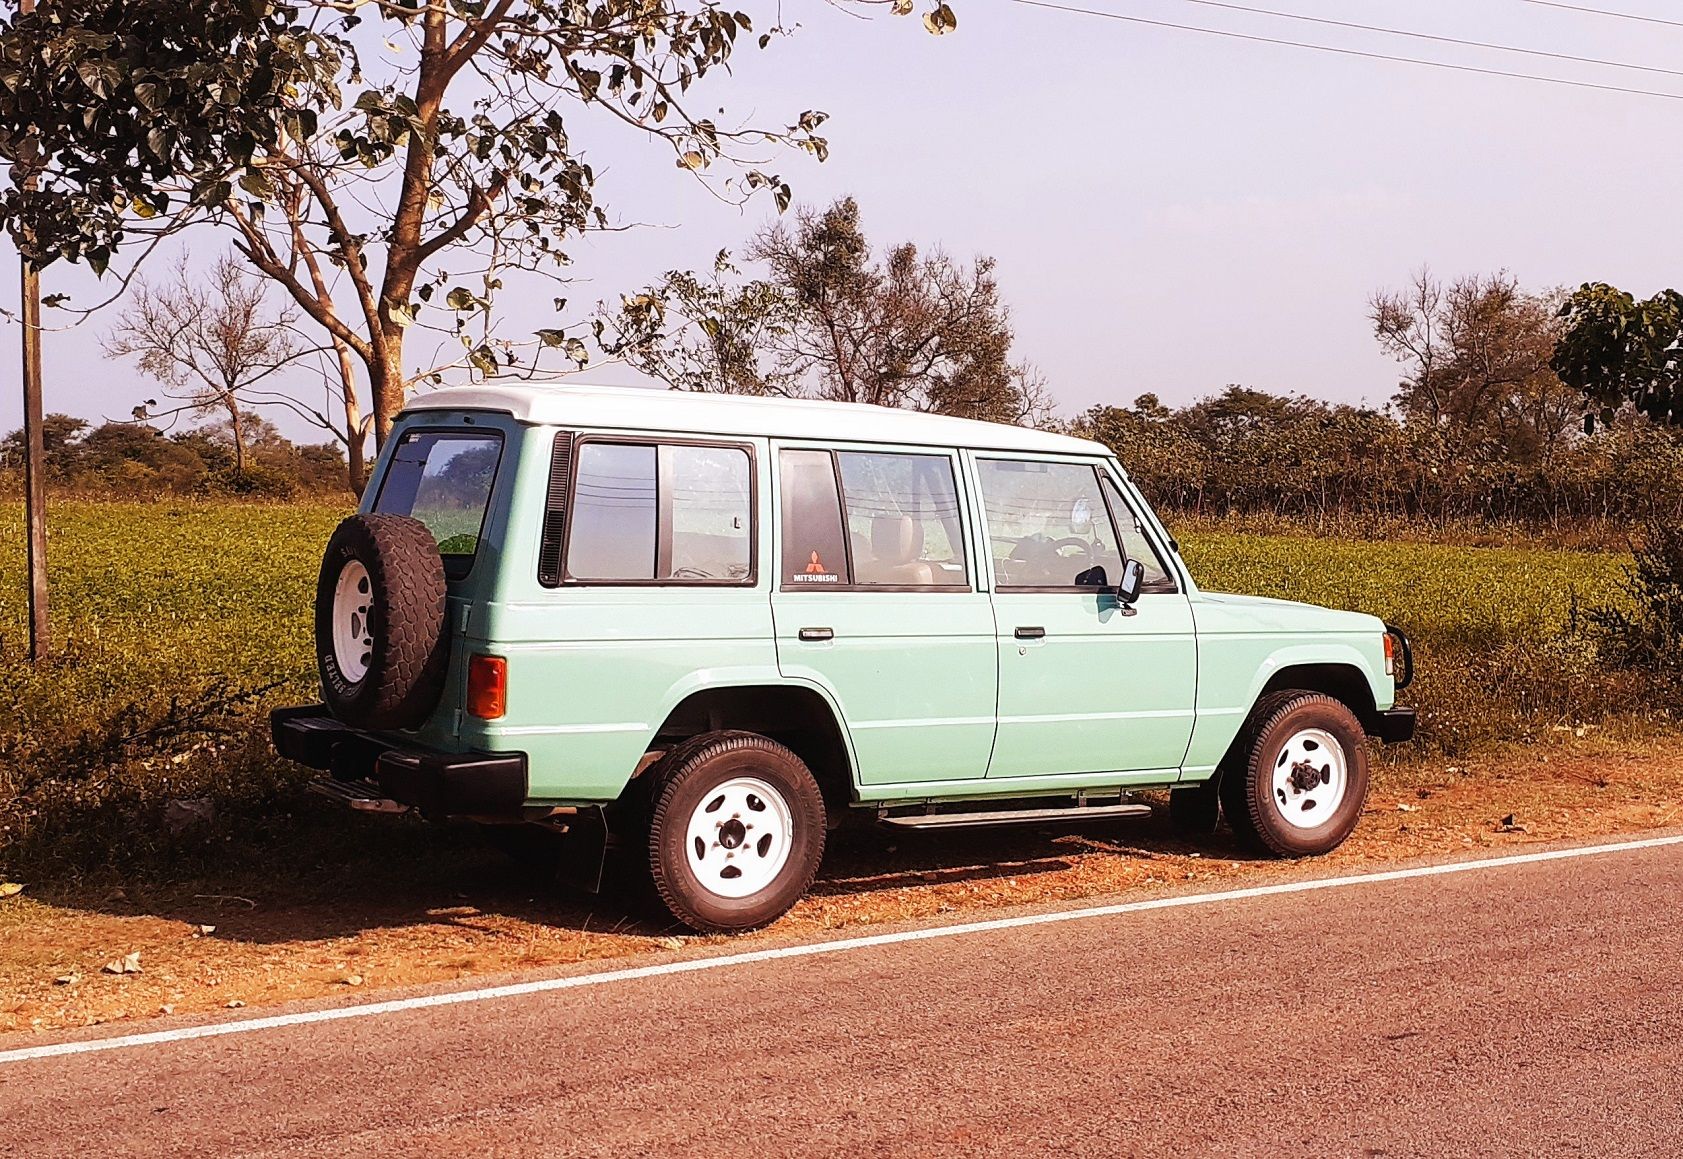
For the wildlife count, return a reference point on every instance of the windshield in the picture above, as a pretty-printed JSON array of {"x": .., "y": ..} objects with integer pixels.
[{"x": 443, "y": 478}]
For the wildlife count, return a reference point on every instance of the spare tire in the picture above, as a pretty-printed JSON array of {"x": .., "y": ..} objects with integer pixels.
[{"x": 381, "y": 644}]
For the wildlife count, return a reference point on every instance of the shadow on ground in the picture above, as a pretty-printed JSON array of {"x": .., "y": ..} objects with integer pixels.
[{"x": 316, "y": 872}]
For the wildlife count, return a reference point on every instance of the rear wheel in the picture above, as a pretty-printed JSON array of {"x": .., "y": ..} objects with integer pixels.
[
  {"x": 1301, "y": 777},
  {"x": 735, "y": 833}
]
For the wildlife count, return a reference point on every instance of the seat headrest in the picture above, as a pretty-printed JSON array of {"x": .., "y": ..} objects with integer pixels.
[{"x": 896, "y": 539}]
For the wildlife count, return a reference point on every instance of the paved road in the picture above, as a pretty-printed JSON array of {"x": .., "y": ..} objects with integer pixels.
[{"x": 1526, "y": 1010}]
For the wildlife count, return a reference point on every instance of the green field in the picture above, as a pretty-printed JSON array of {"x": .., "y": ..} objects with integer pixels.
[{"x": 177, "y": 624}]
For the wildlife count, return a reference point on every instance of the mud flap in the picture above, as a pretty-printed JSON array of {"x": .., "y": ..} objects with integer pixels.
[{"x": 584, "y": 850}]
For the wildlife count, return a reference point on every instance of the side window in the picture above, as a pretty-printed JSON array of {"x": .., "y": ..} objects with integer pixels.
[
  {"x": 614, "y": 494},
  {"x": 902, "y": 520},
  {"x": 711, "y": 505},
  {"x": 1135, "y": 543},
  {"x": 814, "y": 549},
  {"x": 1048, "y": 525},
  {"x": 671, "y": 512}
]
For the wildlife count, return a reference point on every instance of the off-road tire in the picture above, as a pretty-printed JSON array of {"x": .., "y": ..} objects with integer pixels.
[
  {"x": 409, "y": 648},
  {"x": 682, "y": 782},
  {"x": 1195, "y": 809},
  {"x": 1247, "y": 785}
]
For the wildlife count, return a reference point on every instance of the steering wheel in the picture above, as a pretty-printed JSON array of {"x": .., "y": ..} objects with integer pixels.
[{"x": 1087, "y": 558}]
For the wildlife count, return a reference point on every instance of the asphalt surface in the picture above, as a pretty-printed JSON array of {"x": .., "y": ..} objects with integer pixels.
[{"x": 1525, "y": 1010}]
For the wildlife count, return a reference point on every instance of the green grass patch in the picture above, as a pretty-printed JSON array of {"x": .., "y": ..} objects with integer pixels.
[{"x": 1497, "y": 656}]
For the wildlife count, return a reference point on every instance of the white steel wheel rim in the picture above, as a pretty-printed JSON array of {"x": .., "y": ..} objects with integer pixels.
[
  {"x": 1311, "y": 776},
  {"x": 353, "y": 631},
  {"x": 739, "y": 837}
]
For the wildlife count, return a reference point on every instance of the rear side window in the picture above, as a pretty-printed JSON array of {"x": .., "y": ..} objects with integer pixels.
[
  {"x": 864, "y": 519},
  {"x": 614, "y": 513},
  {"x": 444, "y": 478},
  {"x": 661, "y": 513},
  {"x": 902, "y": 520}
]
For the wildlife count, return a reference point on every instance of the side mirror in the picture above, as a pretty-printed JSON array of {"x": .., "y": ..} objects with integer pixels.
[{"x": 1133, "y": 578}]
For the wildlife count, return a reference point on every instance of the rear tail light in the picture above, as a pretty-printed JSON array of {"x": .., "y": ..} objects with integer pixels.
[
  {"x": 1390, "y": 654},
  {"x": 487, "y": 687}
]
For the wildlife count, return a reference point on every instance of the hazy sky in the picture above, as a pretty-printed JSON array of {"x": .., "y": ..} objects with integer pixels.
[{"x": 1170, "y": 211}]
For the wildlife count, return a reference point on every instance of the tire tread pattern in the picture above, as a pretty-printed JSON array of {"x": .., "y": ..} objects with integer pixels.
[
  {"x": 408, "y": 609},
  {"x": 686, "y": 761},
  {"x": 1240, "y": 801}
]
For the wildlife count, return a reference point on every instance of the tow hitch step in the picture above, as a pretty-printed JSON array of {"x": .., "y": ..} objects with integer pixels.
[
  {"x": 992, "y": 817},
  {"x": 363, "y": 796}
]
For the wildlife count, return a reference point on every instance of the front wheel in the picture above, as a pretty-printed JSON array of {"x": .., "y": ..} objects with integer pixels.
[
  {"x": 735, "y": 833},
  {"x": 1303, "y": 779}
]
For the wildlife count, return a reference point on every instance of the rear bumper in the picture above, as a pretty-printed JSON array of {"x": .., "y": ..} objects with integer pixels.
[
  {"x": 1395, "y": 725},
  {"x": 438, "y": 784}
]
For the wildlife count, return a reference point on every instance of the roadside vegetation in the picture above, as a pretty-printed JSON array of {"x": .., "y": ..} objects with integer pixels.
[{"x": 143, "y": 741}]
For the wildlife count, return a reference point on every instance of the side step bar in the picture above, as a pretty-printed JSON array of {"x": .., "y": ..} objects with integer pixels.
[{"x": 988, "y": 818}]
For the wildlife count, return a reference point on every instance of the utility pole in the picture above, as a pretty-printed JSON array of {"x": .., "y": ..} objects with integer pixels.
[{"x": 34, "y": 442}]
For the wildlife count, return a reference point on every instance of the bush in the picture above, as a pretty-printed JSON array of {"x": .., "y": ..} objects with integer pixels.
[
  {"x": 1645, "y": 631},
  {"x": 257, "y": 481},
  {"x": 1247, "y": 453}
]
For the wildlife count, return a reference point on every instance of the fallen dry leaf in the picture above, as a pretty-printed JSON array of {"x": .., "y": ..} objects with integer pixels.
[
  {"x": 69, "y": 979},
  {"x": 127, "y": 964},
  {"x": 10, "y": 888}
]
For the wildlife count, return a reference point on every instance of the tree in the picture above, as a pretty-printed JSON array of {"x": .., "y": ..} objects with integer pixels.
[
  {"x": 1155, "y": 446},
  {"x": 136, "y": 458},
  {"x": 1479, "y": 350},
  {"x": 61, "y": 436},
  {"x": 388, "y": 141},
  {"x": 210, "y": 343},
  {"x": 831, "y": 320},
  {"x": 1617, "y": 351}
]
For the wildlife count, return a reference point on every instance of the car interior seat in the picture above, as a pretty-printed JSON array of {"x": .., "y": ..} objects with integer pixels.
[{"x": 896, "y": 545}]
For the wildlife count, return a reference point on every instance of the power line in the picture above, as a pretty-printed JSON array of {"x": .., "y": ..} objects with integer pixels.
[
  {"x": 1438, "y": 39},
  {"x": 1553, "y": 80},
  {"x": 1605, "y": 12}
]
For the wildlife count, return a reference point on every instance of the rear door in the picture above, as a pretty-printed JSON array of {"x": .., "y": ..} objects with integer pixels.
[
  {"x": 876, "y": 601},
  {"x": 1085, "y": 685},
  {"x": 442, "y": 472}
]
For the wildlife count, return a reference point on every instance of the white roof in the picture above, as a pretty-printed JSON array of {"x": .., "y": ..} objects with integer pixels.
[{"x": 694, "y": 412}]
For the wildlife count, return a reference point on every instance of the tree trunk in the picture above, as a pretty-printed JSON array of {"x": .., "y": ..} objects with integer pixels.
[
  {"x": 356, "y": 468},
  {"x": 235, "y": 425},
  {"x": 386, "y": 383},
  {"x": 356, "y": 471}
]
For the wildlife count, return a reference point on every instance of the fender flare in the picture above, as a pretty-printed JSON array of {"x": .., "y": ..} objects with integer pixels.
[{"x": 754, "y": 676}]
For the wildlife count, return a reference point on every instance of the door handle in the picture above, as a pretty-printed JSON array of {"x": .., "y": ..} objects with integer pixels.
[
  {"x": 1031, "y": 633},
  {"x": 817, "y": 635}
]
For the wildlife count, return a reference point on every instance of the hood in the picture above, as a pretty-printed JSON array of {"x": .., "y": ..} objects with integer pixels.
[{"x": 1274, "y": 614}]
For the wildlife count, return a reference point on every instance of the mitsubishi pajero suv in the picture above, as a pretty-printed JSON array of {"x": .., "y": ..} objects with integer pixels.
[{"x": 701, "y": 629}]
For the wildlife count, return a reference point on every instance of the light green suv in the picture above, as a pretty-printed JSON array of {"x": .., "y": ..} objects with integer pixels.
[{"x": 704, "y": 629}]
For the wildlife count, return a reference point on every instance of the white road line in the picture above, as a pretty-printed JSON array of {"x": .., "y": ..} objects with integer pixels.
[{"x": 841, "y": 945}]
